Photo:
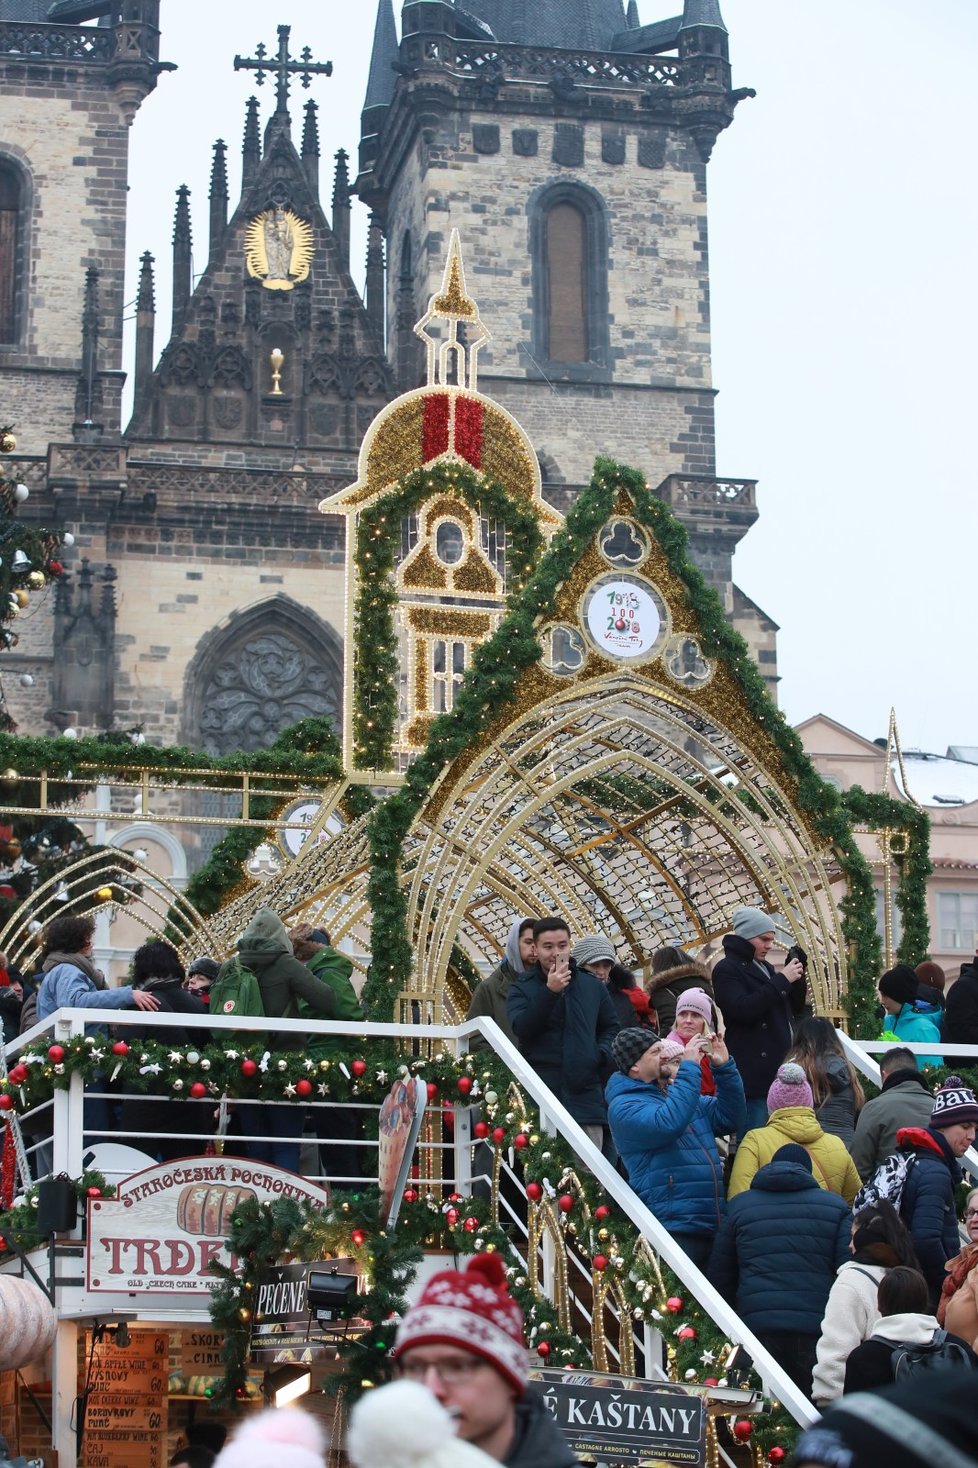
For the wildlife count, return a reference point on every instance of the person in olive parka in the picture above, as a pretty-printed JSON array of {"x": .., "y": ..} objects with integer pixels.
[{"x": 265, "y": 949}]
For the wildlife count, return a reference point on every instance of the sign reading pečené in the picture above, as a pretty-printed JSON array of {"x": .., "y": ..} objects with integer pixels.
[
  {"x": 625, "y": 1419},
  {"x": 168, "y": 1224}
]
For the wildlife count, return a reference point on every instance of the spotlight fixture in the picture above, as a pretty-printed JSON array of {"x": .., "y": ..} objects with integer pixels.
[{"x": 286, "y": 1383}]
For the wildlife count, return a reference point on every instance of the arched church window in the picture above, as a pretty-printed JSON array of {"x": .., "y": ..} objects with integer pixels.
[
  {"x": 569, "y": 251},
  {"x": 449, "y": 543},
  {"x": 11, "y": 234}
]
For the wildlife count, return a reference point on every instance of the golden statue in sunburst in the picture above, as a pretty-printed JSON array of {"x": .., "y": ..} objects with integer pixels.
[{"x": 279, "y": 249}]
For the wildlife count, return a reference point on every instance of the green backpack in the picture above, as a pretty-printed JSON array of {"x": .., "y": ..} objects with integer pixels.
[{"x": 235, "y": 992}]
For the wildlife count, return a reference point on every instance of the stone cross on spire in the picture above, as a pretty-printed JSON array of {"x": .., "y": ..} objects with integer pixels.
[{"x": 284, "y": 66}]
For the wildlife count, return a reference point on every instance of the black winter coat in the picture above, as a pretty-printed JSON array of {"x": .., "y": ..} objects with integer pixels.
[
  {"x": 960, "y": 1025},
  {"x": 566, "y": 1037},
  {"x": 757, "y": 1004},
  {"x": 778, "y": 1249},
  {"x": 174, "y": 999},
  {"x": 927, "y": 1206},
  {"x": 870, "y": 1365},
  {"x": 538, "y": 1442}
]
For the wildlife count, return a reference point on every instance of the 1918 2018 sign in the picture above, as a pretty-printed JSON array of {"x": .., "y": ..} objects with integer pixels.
[{"x": 626, "y": 1420}]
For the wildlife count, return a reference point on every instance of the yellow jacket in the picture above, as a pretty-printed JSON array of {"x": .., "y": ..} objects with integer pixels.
[{"x": 832, "y": 1167}]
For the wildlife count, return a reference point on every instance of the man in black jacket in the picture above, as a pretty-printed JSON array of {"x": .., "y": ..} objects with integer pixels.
[
  {"x": 464, "y": 1341},
  {"x": 756, "y": 1002},
  {"x": 961, "y": 1007}
]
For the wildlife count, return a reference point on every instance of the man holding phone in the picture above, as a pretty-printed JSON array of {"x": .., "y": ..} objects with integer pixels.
[{"x": 564, "y": 1022}]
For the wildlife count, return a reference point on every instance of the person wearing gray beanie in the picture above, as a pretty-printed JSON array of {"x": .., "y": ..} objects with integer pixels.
[{"x": 757, "y": 1003}]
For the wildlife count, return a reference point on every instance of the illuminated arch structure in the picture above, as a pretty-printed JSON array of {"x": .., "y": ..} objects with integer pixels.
[{"x": 624, "y": 777}]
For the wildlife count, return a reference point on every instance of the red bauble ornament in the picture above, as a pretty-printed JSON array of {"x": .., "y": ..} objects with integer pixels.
[
  {"x": 565, "y": 1203},
  {"x": 18, "y": 1074},
  {"x": 470, "y": 1224},
  {"x": 464, "y": 1084},
  {"x": 776, "y": 1454},
  {"x": 711, "y": 1381},
  {"x": 56, "y": 1053},
  {"x": 120, "y": 1048},
  {"x": 499, "y": 1135},
  {"x": 94, "y": 1192},
  {"x": 481, "y": 1129},
  {"x": 55, "y": 568},
  {"x": 674, "y": 1304},
  {"x": 534, "y": 1192},
  {"x": 451, "y": 1217},
  {"x": 197, "y": 1090},
  {"x": 432, "y": 1090},
  {"x": 687, "y": 1333},
  {"x": 249, "y": 1067},
  {"x": 520, "y": 1141},
  {"x": 543, "y": 1349},
  {"x": 742, "y": 1430},
  {"x": 359, "y": 1237},
  {"x": 602, "y": 1212},
  {"x": 410, "y": 1195},
  {"x": 6, "y": 1102},
  {"x": 358, "y": 1068},
  {"x": 455, "y": 1198},
  {"x": 600, "y": 1263},
  {"x": 303, "y": 1087}
]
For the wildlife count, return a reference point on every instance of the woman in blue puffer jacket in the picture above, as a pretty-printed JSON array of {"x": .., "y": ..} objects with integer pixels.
[{"x": 666, "y": 1137}]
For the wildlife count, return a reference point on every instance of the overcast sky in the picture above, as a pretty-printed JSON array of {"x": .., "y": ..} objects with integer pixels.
[{"x": 843, "y": 223}]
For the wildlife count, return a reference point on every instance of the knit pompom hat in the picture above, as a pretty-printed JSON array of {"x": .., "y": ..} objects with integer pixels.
[
  {"x": 474, "y": 1311},
  {"x": 282, "y": 1435},
  {"x": 953, "y": 1103},
  {"x": 403, "y": 1425},
  {"x": 670, "y": 1050},
  {"x": 789, "y": 1088}
]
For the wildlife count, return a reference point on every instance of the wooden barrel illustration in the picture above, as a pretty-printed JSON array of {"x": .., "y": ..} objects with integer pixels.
[
  {"x": 28, "y": 1322},
  {"x": 207, "y": 1208}
]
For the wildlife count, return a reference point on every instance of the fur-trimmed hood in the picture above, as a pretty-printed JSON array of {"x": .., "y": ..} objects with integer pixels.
[{"x": 668, "y": 976}]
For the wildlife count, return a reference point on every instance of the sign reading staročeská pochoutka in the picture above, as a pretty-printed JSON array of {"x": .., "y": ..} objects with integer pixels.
[
  {"x": 626, "y": 1420},
  {"x": 168, "y": 1224}
]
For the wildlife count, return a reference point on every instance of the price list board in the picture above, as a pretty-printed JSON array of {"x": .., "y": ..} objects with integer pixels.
[{"x": 126, "y": 1418}]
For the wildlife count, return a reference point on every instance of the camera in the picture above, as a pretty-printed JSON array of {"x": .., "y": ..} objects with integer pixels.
[{"x": 796, "y": 951}]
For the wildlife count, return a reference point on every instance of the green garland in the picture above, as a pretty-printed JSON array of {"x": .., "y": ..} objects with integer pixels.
[
  {"x": 881, "y": 812},
  {"x": 375, "y": 653},
  {"x": 491, "y": 683},
  {"x": 20, "y": 1221}
]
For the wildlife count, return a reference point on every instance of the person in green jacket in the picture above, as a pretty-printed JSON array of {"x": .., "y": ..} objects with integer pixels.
[
  {"x": 489, "y": 997},
  {"x": 339, "y": 1158}
]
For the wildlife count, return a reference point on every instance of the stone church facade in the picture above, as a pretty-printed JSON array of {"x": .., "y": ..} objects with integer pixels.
[{"x": 566, "y": 143}]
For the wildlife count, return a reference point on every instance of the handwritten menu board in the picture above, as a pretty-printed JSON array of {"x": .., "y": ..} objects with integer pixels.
[{"x": 126, "y": 1420}]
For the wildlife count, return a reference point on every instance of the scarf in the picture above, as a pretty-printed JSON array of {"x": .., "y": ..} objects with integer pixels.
[
  {"x": 958, "y": 1270},
  {"x": 77, "y": 960}
]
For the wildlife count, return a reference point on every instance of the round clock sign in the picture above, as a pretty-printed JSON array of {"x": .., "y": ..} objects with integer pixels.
[{"x": 623, "y": 619}]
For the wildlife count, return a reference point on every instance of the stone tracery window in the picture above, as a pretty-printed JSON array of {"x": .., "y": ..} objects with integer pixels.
[{"x": 259, "y": 689}]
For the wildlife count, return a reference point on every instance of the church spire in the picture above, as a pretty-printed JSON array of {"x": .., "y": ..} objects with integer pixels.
[
  {"x": 218, "y": 197},
  {"x": 182, "y": 257},
  {"x": 88, "y": 395},
  {"x": 375, "y": 285},
  {"x": 341, "y": 207},
  {"x": 381, "y": 80},
  {"x": 310, "y": 147},
  {"x": 145, "y": 329},
  {"x": 632, "y": 17},
  {"x": 702, "y": 13},
  {"x": 251, "y": 147}
]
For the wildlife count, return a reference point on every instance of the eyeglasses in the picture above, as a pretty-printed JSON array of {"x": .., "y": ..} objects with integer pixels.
[
  {"x": 453, "y": 1372},
  {"x": 971, "y": 1213}
]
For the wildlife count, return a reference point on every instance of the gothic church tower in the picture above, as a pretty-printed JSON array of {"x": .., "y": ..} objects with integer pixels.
[
  {"x": 568, "y": 145},
  {"x": 68, "y": 93}
]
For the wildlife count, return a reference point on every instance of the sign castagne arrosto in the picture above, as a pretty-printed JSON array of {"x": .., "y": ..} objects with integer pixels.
[{"x": 168, "y": 1224}]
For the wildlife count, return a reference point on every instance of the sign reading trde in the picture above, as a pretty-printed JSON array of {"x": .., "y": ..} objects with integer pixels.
[{"x": 169, "y": 1224}]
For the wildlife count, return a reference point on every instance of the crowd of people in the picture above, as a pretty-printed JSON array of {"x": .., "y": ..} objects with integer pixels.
[
  {"x": 738, "y": 1118},
  {"x": 828, "y": 1221}
]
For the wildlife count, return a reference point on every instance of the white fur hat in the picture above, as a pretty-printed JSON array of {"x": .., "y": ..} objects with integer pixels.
[
  {"x": 283, "y": 1436},
  {"x": 403, "y": 1426}
]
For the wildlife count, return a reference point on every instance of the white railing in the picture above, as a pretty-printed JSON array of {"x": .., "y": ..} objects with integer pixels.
[{"x": 68, "y": 1148}]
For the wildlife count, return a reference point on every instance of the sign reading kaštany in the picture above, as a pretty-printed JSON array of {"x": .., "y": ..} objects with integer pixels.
[
  {"x": 626, "y": 1420},
  {"x": 167, "y": 1225}
]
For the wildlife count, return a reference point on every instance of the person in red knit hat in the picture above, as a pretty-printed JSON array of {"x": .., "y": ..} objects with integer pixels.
[{"x": 463, "y": 1340}]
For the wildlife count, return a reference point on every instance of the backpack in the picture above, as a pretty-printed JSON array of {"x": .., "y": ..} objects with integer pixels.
[
  {"x": 888, "y": 1181},
  {"x": 939, "y": 1354},
  {"x": 235, "y": 992}
]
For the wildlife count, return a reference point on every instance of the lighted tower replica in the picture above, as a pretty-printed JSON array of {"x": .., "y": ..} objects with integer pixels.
[{"x": 568, "y": 146}]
